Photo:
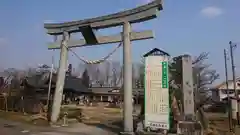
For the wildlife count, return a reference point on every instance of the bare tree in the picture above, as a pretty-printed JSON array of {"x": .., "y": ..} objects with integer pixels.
[
  {"x": 85, "y": 78},
  {"x": 203, "y": 76},
  {"x": 107, "y": 73},
  {"x": 10, "y": 73},
  {"x": 80, "y": 69},
  {"x": 31, "y": 71},
  {"x": 12, "y": 80},
  {"x": 140, "y": 77},
  {"x": 100, "y": 77},
  {"x": 116, "y": 73},
  {"x": 114, "y": 77},
  {"x": 75, "y": 72},
  {"x": 103, "y": 73},
  {"x": 134, "y": 75},
  {"x": 92, "y": 72},
  {"x": 107, "y": 67}
]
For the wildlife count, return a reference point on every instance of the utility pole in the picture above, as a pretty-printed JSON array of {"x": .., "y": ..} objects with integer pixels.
[
  {"x": 232, "y": 46},
  {"x": 229, "y": 102}
]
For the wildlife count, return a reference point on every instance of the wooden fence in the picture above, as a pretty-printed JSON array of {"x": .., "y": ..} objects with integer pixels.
[
  {"x": 189, "y": 128},
  {"x": 21, "y": 104}
]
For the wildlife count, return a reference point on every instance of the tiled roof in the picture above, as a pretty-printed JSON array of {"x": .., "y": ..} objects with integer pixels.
[
  {"x": 105, "y": 90},
  {"x": 71, "y": 82},
  {"x": 156, "y": 50}
]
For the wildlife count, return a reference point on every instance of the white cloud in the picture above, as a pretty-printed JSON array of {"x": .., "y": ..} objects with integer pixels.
[
  {"x": 211, "y": 11},
  {"x": 146, "y": 1},
  {"x": 49, "y": 21}
]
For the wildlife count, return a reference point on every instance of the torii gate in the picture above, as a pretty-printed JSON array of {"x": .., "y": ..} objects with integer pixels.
[{"x": 87, "y": 27}]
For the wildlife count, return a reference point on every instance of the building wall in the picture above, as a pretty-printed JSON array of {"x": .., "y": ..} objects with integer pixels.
[
  {"x": 215, "y": 95},
  {"x": 222, "y": 90},
  {"x": 230, "y": 85}
]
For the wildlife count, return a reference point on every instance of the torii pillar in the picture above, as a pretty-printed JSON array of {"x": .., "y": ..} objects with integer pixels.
[
  {"x": 57, "y": 101},
  {"x": 127, "y": 78}
]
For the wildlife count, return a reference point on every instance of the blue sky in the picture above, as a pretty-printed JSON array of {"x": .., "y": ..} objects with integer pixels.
[{"x": 184, "y": 26}]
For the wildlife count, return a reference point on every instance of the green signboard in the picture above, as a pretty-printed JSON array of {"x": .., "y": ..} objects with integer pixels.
[{"x": 165, "y": 74}]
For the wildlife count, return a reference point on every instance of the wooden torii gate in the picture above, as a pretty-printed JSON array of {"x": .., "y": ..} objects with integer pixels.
[{"x": 87, "y": 27}]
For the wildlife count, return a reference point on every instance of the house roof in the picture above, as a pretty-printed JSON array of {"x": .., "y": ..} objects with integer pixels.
[
  {"x": 156, "y": 51},
  {"x": 75, "y": 84},
  {"x": 224, "y": 83},
  {"x": 102, "y": 90},
  {"x": 111, "y": 90},
  {"x": 71, "y": 82}
]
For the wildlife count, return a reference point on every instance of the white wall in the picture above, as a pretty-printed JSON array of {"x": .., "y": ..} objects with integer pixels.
[{"x": 223, "y": 92}]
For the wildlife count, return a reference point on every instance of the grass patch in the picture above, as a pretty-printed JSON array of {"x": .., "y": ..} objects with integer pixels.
[{"x": 87, "y": 115}]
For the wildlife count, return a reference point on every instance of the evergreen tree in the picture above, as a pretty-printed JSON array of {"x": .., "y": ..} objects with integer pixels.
[
  {"x": 85, "y": 78},
  {"x": 2, "y": 82}
]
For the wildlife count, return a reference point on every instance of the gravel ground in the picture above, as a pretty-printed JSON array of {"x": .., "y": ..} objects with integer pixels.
[{"x": 15, "y": 128}]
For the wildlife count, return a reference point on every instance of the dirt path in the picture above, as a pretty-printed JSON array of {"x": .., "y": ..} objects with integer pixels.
[
  {"x": 16, "y": 128},
  {"x": 219, "y": 123}
]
